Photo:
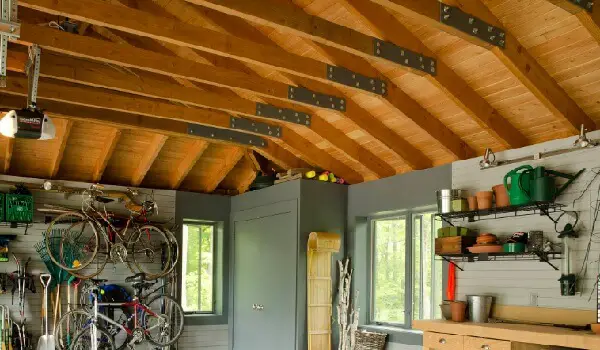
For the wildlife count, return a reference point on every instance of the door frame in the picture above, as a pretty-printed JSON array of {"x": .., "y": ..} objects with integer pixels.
[{"x": 277, "y": 208}]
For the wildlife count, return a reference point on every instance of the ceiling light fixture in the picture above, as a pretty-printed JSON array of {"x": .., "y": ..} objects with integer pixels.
[
  {"x": 489, "y": 159},
  {"x": 582, "y": 141}
]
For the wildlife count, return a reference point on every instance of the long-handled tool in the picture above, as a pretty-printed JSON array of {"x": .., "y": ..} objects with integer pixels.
[{"x": 46, "y": 341}]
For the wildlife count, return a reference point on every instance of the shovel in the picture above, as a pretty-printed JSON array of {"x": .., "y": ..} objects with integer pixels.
[{"x": 46, "y": 341}]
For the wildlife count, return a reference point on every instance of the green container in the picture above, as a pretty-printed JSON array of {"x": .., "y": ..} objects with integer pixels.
[
  {"x": 2, "y": 211},
  {"x": 19, "y": 208},
  {"x": 514, "y": 247}
]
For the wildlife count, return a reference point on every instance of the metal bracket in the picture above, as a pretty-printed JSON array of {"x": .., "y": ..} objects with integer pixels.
[
  {"x": 226, "y": 135},
  {"x": 256, "y": 127},
  {"x": 283, "y": 114},
  {"x": 455, "y": 17},
  {"x": 304, "y": 95},
  {"x": 349, "y": 78},
  {"x": 8, "y": 29},
  {"x": 404, "y": 56},
  {"x": 587, "y": 5},
  {"x": 33, "y": 74}
]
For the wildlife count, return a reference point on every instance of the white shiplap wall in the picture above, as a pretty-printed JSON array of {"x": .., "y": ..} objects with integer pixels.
[
  {"x": 515, "y": 282},
  {"x": 194, "y": 337}
]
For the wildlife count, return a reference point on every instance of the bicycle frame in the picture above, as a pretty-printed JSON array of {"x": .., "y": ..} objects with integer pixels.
[{"x": 137, "y": 306}]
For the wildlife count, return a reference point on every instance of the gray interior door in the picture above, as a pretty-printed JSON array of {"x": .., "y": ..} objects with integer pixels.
[{"x": 265, "y": 258}]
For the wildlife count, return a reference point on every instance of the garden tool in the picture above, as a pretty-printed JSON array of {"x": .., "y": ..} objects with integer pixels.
[{"x": 46, "y": 341}]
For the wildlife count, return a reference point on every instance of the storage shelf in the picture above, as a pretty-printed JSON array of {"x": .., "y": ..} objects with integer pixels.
[
  {"x": 537, "y": 208},
  {"x": 502, "y": 256}
]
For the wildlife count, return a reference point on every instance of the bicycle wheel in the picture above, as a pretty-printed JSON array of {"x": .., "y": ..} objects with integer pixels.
[
  {"x": 150, "y": 248},
  {"x": 72, "y": 241},
  {"x": 83, "y": 340},
  {"x": 174, "y": 250},
  {"x": 96, "y": 266},
  {"x": 69, "y": 325},
  {"x": 163, "y": 322}
]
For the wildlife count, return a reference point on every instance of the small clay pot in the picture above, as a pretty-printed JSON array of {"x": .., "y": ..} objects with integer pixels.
[
  {"x": 459, "y": 311},
  {"x": 472, "y": 203},
  {"x": 484, "y": 199},
  {"x": 502, "y": 199}
]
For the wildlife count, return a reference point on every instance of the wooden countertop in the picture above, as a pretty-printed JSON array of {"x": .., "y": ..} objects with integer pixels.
[{"x": 542, "y": 335}]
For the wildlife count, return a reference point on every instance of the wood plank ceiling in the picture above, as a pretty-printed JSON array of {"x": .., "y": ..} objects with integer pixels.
[{"x": 124, "y": 88}]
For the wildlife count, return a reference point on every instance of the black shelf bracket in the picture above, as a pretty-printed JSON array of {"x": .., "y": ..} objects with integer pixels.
[{"x": 451, "y": 262}]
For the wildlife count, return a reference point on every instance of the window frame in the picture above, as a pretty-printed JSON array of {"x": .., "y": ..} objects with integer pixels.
[
  {"x": 215, "y": 250},
  {"x": 410, "y": 217}
]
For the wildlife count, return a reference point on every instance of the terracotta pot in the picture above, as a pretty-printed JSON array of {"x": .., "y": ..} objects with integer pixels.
[
  {"x": 502, "y": 199},
  {"x": 459, "y": 310},
  {"x": 472, "y": 203},
  {"x": 484, "y": 199},
  {"x": 595, "y": 328}
]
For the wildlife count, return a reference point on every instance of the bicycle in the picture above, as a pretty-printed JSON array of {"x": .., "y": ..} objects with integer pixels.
[
  {"x": 81, "y": 242},
  {"x": 160, "y": 322}
]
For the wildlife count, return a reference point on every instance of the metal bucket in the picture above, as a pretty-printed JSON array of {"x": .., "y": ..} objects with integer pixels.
[
  {"x": 480, "y": 307},
  {"x": 445, "y": 198}
]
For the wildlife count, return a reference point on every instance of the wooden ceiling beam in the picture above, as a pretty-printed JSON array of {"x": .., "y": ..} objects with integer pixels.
[
  {"x": 98, "y": 98},
  {"x": 62, "y": 136},
  {"x": 233, "y": 156},
  {"x": 514, "y": 56},
  {"x": 176, "y": 32},
  {"x": 156, "y": 144},
  {"x": 97, "y": 75},
  {"x": 387, "y": 27},
  {"x": 110, "y": 144},
  {"x": 192, "y": 154},
  {"x": 590, "y": 20},
  {"x": 120, "y": 120},
  {"x": 248, "y": 175}
]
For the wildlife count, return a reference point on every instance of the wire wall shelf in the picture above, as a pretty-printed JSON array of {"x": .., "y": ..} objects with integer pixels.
[
  {"x": 531, "y": 256},
  {"x": 537, "y": 208}
]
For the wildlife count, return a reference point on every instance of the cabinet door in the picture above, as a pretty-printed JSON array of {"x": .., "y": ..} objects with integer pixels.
[{"x": 265, "y": 254}]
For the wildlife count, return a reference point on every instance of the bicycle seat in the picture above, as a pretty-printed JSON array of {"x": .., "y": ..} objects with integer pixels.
[
  {"x": 98, "y": 281},
  {"x": 104, "y": 200},
  {"x": 137, "y": 278}
]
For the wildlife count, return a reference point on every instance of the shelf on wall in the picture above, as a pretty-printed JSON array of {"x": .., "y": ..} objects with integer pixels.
[
  {"x": 473, "y": 257},
  {"x": 537, "y": 208}
]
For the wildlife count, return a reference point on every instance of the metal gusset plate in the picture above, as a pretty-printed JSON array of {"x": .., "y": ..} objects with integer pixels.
[
  {"x": 347, "y": 77},
  {"x": 226, "y": 135},
  {"x": 404, "y": 57},
  {"x": 283, "y": 114},
  {"x": 455, "y": 17},
  {"x": 304, "y": 95},
  {"x": 254, "y": 126},
  {"x": 586, "y": 4}
]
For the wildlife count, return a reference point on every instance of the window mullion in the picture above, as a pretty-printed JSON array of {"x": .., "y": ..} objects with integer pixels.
[
  {"x": 408, "y": 281},
  {"x": 422, "y": 270}
]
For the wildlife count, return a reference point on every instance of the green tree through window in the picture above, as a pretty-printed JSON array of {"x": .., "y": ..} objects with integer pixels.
[{"x": 198, "y": 268}]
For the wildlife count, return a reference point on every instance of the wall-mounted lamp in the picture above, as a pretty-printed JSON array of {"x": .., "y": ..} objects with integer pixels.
[
  {"x": 582, "y": 141},
  {"x": 489, "y": 159}
]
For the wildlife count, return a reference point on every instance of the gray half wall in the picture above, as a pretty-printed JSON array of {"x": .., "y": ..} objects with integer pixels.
[{"x": 401, "y": 192}]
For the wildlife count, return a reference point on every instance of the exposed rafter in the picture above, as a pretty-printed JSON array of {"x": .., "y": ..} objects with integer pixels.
[
  {"x": 387, "y": 27},
  {"x": 232, "y": 157},
  {"x": 148, "y": 158},
  {"x": 588, "y": 14},
  {"x": 121, "y": 120},
  {"x": 516, "y": 57},
  {"x": 111, "y": 143},
  {"x": 193, "y": 153},
  {"x": 62, "y": 137}
]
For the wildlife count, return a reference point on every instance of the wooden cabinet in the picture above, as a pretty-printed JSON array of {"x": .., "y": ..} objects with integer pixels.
[
  {"x": 440, "y": 341},
  {"x": 474, "y": 343}
]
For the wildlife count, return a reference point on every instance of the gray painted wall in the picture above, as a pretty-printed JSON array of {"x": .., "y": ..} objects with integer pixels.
[
  {"x": 206, "y": 207},
  {"x": 413, "y": 190}
]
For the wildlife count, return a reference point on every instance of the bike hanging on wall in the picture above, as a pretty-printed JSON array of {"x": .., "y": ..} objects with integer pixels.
[{"x": 82, "y": 241}]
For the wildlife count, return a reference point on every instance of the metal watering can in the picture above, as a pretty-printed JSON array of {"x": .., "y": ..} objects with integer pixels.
[
  {"x": 518, "y": 187},
  {"x": 542, "y": 185}
]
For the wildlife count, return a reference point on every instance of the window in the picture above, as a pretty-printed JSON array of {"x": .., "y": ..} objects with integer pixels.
[
  {"x": 198, "y": 268},
  {"x": 403, "y": 260}
]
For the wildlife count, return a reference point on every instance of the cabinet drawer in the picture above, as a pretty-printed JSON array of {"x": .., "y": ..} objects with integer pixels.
[
  {"x": 474, "y": 343},
  {"x": 440, "y": 341}
]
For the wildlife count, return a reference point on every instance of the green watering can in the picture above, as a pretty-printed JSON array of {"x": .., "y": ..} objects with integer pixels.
[
  {"x": 518, "y": 187},
  {"x": 542, "y": 186}
]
